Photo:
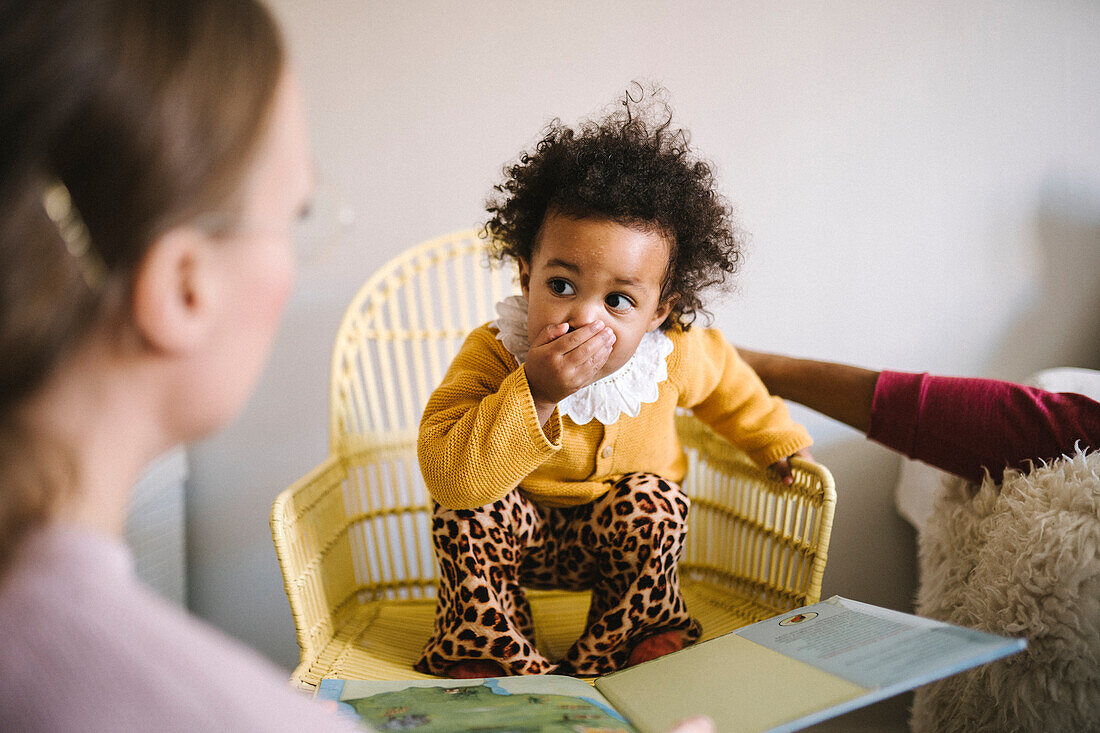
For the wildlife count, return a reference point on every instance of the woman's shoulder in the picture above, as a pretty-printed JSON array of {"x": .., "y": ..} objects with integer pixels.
[{"x": 86, "y": 646}]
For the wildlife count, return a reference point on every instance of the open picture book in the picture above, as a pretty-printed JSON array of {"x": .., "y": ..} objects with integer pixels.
[{"x": 780, "y": 674}]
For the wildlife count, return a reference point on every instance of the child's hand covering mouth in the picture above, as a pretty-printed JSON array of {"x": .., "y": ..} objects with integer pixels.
[{"x": 563, "y": 360}]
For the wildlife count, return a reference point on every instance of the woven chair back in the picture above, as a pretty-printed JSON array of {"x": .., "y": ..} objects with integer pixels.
[{"x": 399, "y": 335}]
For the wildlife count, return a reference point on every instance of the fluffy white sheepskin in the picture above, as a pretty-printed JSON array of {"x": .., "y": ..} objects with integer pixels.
[{"x": 1021, "y": 559}]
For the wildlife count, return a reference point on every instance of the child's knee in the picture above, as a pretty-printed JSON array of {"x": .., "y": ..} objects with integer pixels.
[
  {"x": 498, "y": 530},
  {"x": 451, "y": 527},
  {"x": 478, "y": 521},
  {"x": 652, "y": 496}
]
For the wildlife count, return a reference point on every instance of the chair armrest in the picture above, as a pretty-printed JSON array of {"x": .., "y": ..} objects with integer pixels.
[
  {"x": 355, "y": 529},
  {"x": 751, "y": 531},
  {"x": 309, "y": 529}
]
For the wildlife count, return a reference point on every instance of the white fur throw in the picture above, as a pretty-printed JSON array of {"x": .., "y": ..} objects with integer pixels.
[{"x": 1022, "y": 559}]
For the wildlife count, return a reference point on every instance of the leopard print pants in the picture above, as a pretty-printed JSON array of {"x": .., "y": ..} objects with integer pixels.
[{"x": 624, "y": 546}]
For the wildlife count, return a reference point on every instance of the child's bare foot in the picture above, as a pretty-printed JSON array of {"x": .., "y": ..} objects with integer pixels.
[
  {"x": 472, "y": 669},
  {"x": 655, "y": 646}
]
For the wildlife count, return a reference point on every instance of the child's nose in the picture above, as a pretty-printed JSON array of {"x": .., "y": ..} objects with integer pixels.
[{"x": 584, "y": 313}]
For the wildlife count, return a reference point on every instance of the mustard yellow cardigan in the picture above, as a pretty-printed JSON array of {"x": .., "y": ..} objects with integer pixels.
[{"x": 480, "y": 438}]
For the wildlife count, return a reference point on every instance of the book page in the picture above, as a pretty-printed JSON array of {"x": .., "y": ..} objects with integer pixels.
[
  {"x": 876, "y": 647},
  {"x": 737, "y": 682},
  {"x": 546, "y": 703},
  {"x": 799, "y": 668}
]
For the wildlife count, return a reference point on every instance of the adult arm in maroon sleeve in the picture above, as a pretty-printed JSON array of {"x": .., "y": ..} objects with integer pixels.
[
  {"x": 960, "y": 425},
  {"x": 966, "y": 425}
]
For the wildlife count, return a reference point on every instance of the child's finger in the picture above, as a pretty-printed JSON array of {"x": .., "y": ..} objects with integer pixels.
[
  {"x": 592, "y": 347},
  {"x": 783, "y": 468},
  {"x": 549, "y": 333},
  {"x": 578, "y": 336}
]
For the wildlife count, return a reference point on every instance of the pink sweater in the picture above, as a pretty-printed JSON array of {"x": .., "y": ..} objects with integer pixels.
[
  {"x": 84, "y": 646},
  {"x": 968, "y": 425}
]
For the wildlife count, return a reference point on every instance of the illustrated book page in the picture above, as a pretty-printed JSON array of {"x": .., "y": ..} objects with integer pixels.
[{"x": 549, "y": 703}]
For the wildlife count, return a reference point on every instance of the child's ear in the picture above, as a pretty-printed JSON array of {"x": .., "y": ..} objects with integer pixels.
[
  {"x": 663, "y": 309},
  {"x": 524, "y": 276},
  {"x": 173, "y": 293}
]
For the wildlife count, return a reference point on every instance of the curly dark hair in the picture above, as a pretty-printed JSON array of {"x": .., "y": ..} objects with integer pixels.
[{"x": 634, "y": 168}]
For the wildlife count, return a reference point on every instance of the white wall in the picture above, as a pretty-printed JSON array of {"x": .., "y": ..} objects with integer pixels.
[{"x": 921, "y": 180}]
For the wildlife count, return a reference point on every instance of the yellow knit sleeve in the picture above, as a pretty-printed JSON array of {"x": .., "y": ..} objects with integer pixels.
[
  {"x": 479, "y": 435},
  {"x": 724, "y": 392}
]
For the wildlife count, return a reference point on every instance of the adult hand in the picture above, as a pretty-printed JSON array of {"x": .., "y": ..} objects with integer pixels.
[
  {"x": 561, "y": 361},
  {"x": 698, "y": 724}
]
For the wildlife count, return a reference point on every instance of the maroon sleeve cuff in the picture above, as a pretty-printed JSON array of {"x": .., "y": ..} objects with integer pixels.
[{"x": 895, "y": 410}]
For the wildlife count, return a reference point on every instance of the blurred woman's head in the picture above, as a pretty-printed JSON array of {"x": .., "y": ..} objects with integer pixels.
[{"x": 152, "y": 160}]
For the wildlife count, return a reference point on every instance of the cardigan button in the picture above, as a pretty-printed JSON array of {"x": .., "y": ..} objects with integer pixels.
[{"x": 606, "y": 452}]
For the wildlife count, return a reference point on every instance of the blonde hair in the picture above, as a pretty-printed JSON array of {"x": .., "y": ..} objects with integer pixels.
[{"x": 119, "y": 119}]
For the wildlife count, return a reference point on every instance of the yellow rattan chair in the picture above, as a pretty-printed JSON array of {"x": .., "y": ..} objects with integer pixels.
[{"x": 353, "y": 535}]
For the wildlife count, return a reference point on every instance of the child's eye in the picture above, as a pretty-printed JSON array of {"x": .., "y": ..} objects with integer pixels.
[
  {"x": 618, "y": 302},
  {"x": 560, "y": 287}
]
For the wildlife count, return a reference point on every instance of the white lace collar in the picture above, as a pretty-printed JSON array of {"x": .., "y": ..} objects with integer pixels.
[{"x": 621, "y": 393}]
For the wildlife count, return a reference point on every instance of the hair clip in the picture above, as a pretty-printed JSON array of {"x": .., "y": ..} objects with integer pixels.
[{"x": 58, "y": 203}]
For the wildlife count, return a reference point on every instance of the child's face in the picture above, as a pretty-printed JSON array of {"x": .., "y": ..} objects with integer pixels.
[{"x": 588, "y": 269}]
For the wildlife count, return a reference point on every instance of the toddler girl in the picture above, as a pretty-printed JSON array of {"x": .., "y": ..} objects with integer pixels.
[{"x": 550, "y": 449}]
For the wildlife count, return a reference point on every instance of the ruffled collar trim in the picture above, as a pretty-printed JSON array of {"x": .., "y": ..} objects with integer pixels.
[{"x": 622, "y": 393}]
